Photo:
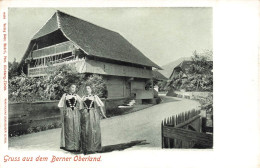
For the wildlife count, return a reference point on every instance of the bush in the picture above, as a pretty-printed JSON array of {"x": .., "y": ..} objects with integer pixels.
[
  {"x": 44, "y": 127},
  {"x": 57, "y": 124},
  {"x": 207, "y": 104},
  {"x": 97, "y": 84},
  {"x": 158, "y": 100},
  {"x": 38, "y": 129},
  {"x": 51, "y": 87},
  {"x": 30, "y": 130},
  {"x": 51, "y": 126}
]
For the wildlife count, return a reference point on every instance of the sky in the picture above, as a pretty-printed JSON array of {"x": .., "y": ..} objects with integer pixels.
[{"x": 161, "y": 34}]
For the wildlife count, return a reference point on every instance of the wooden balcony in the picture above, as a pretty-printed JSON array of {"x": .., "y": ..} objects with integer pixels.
[
  {"x": 53, "y": 50},
  {"x": 92, "y": 66},
  {"x": 44, "y": 70}
]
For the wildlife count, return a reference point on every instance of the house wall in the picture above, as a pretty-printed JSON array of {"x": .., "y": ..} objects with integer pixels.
[
  {"x": 117, "y": 87},
  {"x": 92, "y": 66},
  {"x": 144, "y": 94},
  {"x": 137, "y": 85},
  {"x": 138, "y": 88},
  {"x": 121, "y": 87}
]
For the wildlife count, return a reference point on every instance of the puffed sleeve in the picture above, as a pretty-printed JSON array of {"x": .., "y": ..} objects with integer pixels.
[
  {"x": 62, "y": 100},
  {"x": 79, "y": 99},
  {"x": 98, "y": 101}
]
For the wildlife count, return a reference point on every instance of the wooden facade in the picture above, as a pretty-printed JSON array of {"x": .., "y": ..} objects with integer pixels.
[
  {"x": 122, "y": 80},
  {"x": 90, "y": 66}
]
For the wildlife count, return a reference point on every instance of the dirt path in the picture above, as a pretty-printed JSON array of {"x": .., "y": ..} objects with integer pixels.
[{"x": 136, "y": 130}]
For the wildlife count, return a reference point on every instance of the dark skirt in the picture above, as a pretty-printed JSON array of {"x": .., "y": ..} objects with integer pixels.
[
  {"x": 90, "y": 131},
  {"x": 70, "y": 131}
]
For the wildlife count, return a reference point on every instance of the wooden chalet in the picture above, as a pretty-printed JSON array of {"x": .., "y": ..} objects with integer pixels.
[
  {"x": 180, "y": 71},
  {"x": 67, "y": 40}
]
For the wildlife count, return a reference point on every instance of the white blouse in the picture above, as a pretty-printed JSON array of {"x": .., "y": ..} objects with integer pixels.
[
  {"x": 67, "y": 97},
  {"x": 96, "y": 99}
]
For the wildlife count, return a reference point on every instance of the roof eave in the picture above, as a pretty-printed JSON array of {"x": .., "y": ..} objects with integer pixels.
[{"x": 159, "y": 68}]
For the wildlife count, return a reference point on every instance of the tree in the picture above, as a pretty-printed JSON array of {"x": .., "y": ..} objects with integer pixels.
[
  {"x": 161, "y": 85},
  {"x": 199, "y": 76},
  {"x": 201, "y": 63},
  {"x": 97, "y": 84},
  {"x": 200, "y": 71},
  {"x": 13, "y": 69}
]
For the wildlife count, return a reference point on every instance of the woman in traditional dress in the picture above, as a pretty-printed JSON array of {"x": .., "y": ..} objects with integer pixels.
[
  {"x": 69, "y": 105},
  {"x": 90, "y": 122}
]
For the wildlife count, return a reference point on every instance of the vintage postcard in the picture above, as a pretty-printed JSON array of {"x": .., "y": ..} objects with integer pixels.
[{"x": 120, "y": 86}]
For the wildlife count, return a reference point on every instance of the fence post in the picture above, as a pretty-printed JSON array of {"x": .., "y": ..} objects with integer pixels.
[{"x": 162, "y": 135}]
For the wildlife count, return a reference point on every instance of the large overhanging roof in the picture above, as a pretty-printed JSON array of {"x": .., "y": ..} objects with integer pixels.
[{"x": 93, "y": 40}]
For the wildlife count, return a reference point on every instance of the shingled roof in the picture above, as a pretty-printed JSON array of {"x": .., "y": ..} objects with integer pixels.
[
  {"x": 93, "y": 40},
  {"x": 183, "y": 66}
]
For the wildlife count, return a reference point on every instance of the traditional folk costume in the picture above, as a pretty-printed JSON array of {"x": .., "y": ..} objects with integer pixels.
[
  {"x": 90, "y": 124},
  {"x": 70, "y": 117}
]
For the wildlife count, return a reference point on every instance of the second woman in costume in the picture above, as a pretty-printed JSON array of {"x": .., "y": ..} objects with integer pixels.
[{"x": 90, "y": 122}]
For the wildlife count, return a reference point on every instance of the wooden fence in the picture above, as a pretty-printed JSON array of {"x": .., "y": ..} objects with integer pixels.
[{"x": 184, "y": 131}]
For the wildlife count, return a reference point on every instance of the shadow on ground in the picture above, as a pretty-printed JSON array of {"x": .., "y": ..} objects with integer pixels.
[
  {"x": 122, "y": 146},
  {"x": 110, "y": 148}
]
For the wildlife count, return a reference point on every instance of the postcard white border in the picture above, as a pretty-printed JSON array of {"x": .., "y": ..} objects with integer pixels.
[{"x": 236, "y": 94}]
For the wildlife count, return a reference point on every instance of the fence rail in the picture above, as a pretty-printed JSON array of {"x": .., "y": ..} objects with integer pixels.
[{"x": 184, "y": 131}]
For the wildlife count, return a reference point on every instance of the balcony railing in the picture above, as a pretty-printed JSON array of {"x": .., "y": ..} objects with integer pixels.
[
  {"x": 44, "y": 70},
  {"x": 53, "y": 50}
]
